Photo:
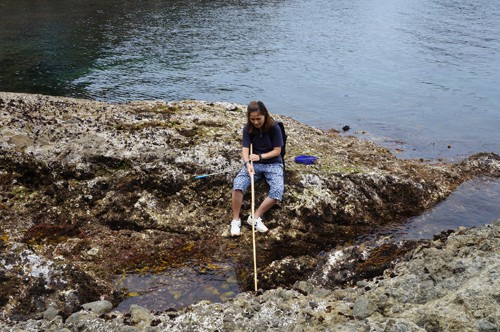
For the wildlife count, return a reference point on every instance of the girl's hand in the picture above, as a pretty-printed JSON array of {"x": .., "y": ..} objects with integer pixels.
[
  {"x": 250, "y": 169},
  {"x": 254, "y": 157}
]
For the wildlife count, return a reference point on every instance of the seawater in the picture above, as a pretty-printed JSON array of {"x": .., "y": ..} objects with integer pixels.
[
  {"x": 475, "y": 202},
  {"x": 421, "y": 77},
  {"x": 178, "y": 288}
]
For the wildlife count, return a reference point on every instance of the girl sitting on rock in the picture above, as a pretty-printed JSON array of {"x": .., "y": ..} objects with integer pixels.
[{"x": 265, "y": 136}]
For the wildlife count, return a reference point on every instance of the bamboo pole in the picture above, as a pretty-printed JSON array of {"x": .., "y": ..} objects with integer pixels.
[{"x": 253, "y": 223}]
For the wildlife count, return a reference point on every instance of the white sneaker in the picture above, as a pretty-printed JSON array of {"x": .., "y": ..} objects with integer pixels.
[
  {"x": 259, "y": 225},
  {"x": 235, "y": 227}
]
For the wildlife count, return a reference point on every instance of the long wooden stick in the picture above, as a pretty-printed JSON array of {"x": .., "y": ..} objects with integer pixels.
[{"x": 253, "y": 224}]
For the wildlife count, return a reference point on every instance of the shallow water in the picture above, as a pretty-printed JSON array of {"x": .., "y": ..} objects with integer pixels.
[
  {"x": 178, "y": 288},
  {"x": 474, "y": 203}
]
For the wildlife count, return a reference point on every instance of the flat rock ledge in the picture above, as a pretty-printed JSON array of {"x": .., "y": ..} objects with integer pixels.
[{"x": 90, "y": 190}]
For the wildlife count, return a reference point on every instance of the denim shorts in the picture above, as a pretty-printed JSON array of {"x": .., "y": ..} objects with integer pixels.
[{"x": 273, "y": 173}]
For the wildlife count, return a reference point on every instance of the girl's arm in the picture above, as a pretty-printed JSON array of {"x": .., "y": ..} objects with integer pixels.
[
  {"x": 268, "y": 155},
  {"x": 245, "y": 154},
  {"x": 271, "y": 154},
  {"x": 247, "y": 158}
]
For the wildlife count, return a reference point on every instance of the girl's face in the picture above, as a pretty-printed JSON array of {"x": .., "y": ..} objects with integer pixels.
[{"x": 257, "y": 119}]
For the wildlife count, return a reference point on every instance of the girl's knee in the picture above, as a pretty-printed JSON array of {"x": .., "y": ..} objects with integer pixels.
[{"x": 276, "y": 195}]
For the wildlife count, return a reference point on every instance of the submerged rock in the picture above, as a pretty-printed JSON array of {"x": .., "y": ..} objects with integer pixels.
[{"x": 94, "y": 189}]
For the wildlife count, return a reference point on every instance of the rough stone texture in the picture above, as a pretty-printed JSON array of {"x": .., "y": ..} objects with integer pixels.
[
  {"x": 140, "y": 316},
  {"x": 98, "y": 307},
  {"x": 449, "y": 284},
  {"x": 91, "y": 189}
]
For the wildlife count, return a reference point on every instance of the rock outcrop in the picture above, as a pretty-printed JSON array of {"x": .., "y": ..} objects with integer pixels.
[{"x": 92, "y": 189}]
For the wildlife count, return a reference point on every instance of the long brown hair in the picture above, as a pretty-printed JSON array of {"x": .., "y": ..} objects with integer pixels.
[{"x": 258, "y": 106}]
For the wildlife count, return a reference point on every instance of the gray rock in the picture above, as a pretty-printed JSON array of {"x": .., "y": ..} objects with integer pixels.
[
  {"x": 303, "y": 287},
  {"x": 140, "y": 316},
  {"x": 363, "y": 308},
  {"x": 129, "y": 329},
  {"x": 78, "y": 320},
  {"x": 98, "y": 307},
  {"x": 400, "y": 325},
  {"x": 50, "y": 313},
  {"x": 485, "y": 325}
]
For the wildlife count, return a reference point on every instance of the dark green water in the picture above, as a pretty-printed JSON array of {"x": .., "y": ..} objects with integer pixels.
[{"x": 421, "y": 77}]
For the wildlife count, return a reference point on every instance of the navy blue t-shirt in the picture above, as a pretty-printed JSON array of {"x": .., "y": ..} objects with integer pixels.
[{"x": 265, "y": 142}]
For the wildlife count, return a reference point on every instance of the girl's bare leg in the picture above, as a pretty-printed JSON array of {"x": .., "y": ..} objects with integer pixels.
[
  {"x": 264, "y": 206},
  {"x": 237, "y": 201}
]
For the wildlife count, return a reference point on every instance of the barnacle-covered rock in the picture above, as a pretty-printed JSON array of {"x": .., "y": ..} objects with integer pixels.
[{"x": 111, "y": 188}]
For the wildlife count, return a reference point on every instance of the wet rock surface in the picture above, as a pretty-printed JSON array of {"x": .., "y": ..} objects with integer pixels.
[
  {"x": 90, "y": 190},
  {"x": 448, "y": 284}
]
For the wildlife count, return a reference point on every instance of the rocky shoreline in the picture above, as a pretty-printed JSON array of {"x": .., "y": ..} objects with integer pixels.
[
  {"x": 90, "y": 190},
  {"x": 449, "y": 284}
]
